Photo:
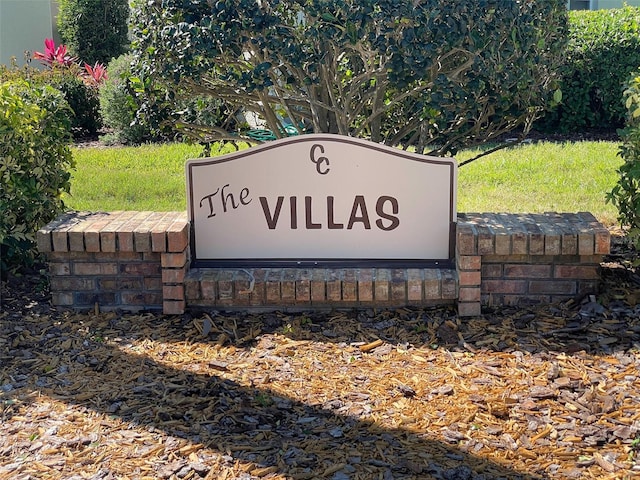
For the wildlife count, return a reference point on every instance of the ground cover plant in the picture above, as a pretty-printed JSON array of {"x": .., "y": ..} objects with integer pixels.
[{"x": 545, "y": 176}]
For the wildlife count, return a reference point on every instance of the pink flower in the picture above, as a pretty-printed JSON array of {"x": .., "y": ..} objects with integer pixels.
[
  {"x": 54, "y": 56},
  {"x": 95, "y": 75}
]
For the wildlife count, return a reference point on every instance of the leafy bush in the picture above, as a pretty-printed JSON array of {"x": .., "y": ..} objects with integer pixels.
[
  {"x": 81, "y": 95},
  {"x": 625, "y": 195},
  {"x": 603, "y": 49},
  {"x": 118, "y": 106},
  {"x": 94, "y": 31},
  {"x": 79, "y": 85},
  {"x": 82, "y": 98},
  {"x": 35, "y": 160},
  {"x": 129, "y": 109},
  {"x": 441, "y": 74}
]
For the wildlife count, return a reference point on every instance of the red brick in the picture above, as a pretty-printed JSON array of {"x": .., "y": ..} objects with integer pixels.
[
  {"x": 349, "y": 286},
  {"x": 603, "y": 242},
  {"x": 552, "y": 287},
  {"x": 43, "y": 241},
  {"x": 469, "y": 309},
  {"x": 159, "y": 232},
  {"x": 174, "y": 260},
  {"x": 62, "y": 299},
  {"x": 173, "y": 307},
  {"x": 318, "y": 286},
  {"x": 365, "y": 285},
  {"x": 469, "y": 294},
  {"x": 519, "y": 243},
  {"x": 74, "y": 221},
  {"x": 59, "y": 268},
  {"x": 208, "y": 288},
  {"x": 586, "y": 244},
  {"x": 414, "y": 284},
  {"x": 95, "y": 268},
  {"x": 60, "y": 241},
  {"x": 432, "y": 284},
  {"x": 142, "y": 232},
  {"x": 258, "y": 295},
  {"x": 152, "y": 283},
  {"x": 536, "y": 244},
  {"x": 449, "y": 286},
  {"x": 103, "y": 299},
  {"x": 469, "y": 278},
  {"x": 333, "y": 285},
  {"x": 398, "y": 285},
  {"x": 173, "y": 275},
  {"x": 272, "y": 286},
  {"x": 192, "y": 290},
  {"x": 108, "y": 235},
  {"x": 504, "y": 286},
  {"x": 503, "y": 244},
  {"x": 173, "y": 292},
  {"x": 569, "y": 244},
  {"x": 527, "y": 271},
  {"x": 71, "y": 283},
  {"x": 144, "y": 269},
  {"x": 469, "y": 262},
  {"x": 576, "y": 271},
  {"x": 381, "y": 284},
  {"x": 288, "y": 286},
  {"x": 526, "y": 299},
  {"x": 92, "y": 230},
  {"x": 485, "y": 240},
  {"x": 303, "y": 286},
  {"x": 552, "y": 245},
  {"x": 466, "y": 239},
  {"x": 587, "y": 287},
  {"x": 225, "y": 285},
  {"x": 178, "y": 234},
  {"x": 491, "y": 270}
]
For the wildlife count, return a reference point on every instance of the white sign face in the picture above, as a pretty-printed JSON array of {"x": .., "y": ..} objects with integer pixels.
[{"x": 318, "y": 198}]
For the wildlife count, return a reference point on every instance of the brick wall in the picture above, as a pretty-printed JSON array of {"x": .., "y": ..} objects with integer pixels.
[
  {"x": 140, "y": 260},
  {"x": 129, "y": 260},
  {"x": 524, "y": 259}
]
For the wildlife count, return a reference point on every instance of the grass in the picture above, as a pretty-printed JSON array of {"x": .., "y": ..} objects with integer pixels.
[
  {"x": 564, "y": 177},
  {"x": 544, "y": 177}
]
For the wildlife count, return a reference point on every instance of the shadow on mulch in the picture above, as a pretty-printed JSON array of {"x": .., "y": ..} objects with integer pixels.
[{"x": 91, "y": 361}]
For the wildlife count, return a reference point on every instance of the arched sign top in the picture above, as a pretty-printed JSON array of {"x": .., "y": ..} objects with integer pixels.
[{"x": 318, "y": 199}]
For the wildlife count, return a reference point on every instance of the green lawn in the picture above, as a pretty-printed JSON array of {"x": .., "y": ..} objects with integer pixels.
[{"x": 564, "y": 177}]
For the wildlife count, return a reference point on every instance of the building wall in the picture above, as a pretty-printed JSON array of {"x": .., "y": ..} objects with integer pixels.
[{"x": 24, "y": 24}]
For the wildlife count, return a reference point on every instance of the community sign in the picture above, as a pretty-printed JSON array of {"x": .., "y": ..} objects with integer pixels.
[{"x": 321, "y": 199}]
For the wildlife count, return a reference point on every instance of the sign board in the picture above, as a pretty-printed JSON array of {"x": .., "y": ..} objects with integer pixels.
[{"x": 321, "y": 199}]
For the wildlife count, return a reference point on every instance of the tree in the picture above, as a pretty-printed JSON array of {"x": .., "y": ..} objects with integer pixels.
[
  {"x": 427, "y": 73},
  {"x": 94, "y": 30}
]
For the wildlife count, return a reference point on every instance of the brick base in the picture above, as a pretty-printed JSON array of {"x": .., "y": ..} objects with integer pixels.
[
  {"x": 140, "y": 260},
  {"x": 319, "y": 287}
]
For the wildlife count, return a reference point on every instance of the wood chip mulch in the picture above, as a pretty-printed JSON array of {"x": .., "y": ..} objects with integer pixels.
[{"x": 533, "y": 393}]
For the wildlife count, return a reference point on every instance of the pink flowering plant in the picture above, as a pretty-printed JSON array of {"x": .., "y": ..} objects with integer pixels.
[{"x": 55, "y": 57}]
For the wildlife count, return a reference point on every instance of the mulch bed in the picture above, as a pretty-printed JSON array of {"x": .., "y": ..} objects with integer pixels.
[{"x": 543, "y": 392}]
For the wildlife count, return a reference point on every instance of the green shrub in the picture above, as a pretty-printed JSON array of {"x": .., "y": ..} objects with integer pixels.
[
  {"x": 118, "y": 107},
  {"x": 604, "y": 48},
  {"x": 95, "y": 31},
  {"x": 35, "y": 160},
  {"x": 625, "y": 195},
  {"x": 436, "y": 75},
  {"x": 81, "y": 96}
]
